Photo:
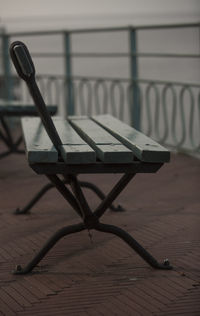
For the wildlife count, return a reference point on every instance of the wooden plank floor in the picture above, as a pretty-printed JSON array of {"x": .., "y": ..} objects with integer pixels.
[{"x": 105, "y": 277}]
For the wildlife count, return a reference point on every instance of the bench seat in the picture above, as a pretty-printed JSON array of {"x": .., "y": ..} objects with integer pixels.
[{"x": 87, "y": 140}]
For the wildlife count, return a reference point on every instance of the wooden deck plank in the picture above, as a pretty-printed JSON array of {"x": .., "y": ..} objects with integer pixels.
[{"x": 93, "y": 275}]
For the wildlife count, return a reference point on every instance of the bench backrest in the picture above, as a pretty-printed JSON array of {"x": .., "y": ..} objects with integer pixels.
[{"x": 25, "y": 68}]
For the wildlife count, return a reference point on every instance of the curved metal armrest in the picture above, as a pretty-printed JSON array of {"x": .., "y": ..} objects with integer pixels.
[{"x": 25, "y": 68}]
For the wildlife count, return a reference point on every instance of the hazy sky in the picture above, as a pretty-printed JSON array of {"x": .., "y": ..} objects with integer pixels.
[
  {"x": 10, "y": 8},
  {"x": 16, "y": 11}
]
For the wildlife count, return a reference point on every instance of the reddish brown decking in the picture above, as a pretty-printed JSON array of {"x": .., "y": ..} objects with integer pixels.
[{"x": 105, "y": 277}]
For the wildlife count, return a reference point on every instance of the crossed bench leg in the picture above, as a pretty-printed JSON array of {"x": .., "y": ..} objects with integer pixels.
[
  {"x": 48, "y": 186},
  {"x": 90, "y": 221},
  {"x": 13, "y": 147}
]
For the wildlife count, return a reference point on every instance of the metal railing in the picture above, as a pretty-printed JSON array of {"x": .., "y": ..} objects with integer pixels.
[{"x": 168, "y": 111}]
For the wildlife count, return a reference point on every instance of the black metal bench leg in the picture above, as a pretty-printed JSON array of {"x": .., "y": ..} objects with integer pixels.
[
  {"x": 134, "y": 245},
  {"x": 8, "y": 140},
  {"x": 5, "y": 140},
  {"x": 100, "y": 194},
  {"x": 116, "y": 190},
  {"x": 49, "y": 186},
  {"x": 49, "y": 244},
  {"x": 17, "y": 144},
  {"x": 7, "y": 132},
  {"x": 19, "y": 141},
  {"x": 5, "y": 154},
  {"x": 34, "y": 200}
]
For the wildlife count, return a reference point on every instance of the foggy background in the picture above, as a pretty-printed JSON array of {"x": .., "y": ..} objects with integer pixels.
[
  {"x": 23, "y": 16},
  {"x": 37, "y": 14}
]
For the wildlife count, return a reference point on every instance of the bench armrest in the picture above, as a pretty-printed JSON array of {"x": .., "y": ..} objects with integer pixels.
[{"x": 25, "y": 68}]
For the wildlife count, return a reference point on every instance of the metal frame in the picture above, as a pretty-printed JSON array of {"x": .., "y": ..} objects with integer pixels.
[
  {"x": 6, "y": 136},
  {"x": 62, "y": 168},
  {"x": 84, "y": 184},
  {"x": 90, "y": 220}
]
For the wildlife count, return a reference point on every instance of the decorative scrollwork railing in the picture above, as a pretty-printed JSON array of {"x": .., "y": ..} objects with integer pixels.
[{"x": 170, "y": 111}]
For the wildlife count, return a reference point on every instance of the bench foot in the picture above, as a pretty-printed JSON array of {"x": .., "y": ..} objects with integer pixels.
[
  {"x": 134, "y": 245},
  {"x": 49, "y": 244},
  {"x": 34, "y": 200},
  {"x": 143, "y": 253},
  {"x": 118, "y": 208},
  {"x": 5, "y": 154}
]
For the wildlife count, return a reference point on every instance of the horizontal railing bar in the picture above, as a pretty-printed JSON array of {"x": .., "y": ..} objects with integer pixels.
[
  {"x": 135, "y": 27},
  {"x": 49, "y": 32},
  {"x": 37, "y": 33},
  {"x": 164, "y": 26},
  {"x": 151, "y": 55},
  {"x": 101, "y": 29},
  {"x": 106, "y": 29}
]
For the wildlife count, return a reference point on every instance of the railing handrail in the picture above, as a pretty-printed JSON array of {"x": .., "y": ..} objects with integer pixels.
[
  {"x": 104, "y": 29},
  {"x": 99, "y": 55}
]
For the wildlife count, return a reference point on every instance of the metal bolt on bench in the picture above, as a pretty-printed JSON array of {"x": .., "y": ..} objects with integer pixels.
[{"x": 83, "y": 145}]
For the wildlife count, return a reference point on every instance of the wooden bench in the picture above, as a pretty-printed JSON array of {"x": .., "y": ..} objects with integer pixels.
[
  {"x": 81, "y": 145},
  {"x": 15, "y": 109},
  {"x": 87, "y": 140}
]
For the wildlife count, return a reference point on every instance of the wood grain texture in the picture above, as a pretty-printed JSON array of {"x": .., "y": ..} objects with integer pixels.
[
  {"x": 107, "y": 147},
  {"x": 74, "y": 149},
  {"x": 39, "y": 147},
  {"x": 143, "y": 147}
]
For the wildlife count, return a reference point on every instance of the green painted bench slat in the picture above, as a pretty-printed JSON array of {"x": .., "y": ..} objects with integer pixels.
[
  {"x": 84, "y": 139},
  {"x": 143, "y": 147},
  {"x": 39, "y": 147},
  {"x": 108, "y": 149},
  {"x": 74, "y": 149}
]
